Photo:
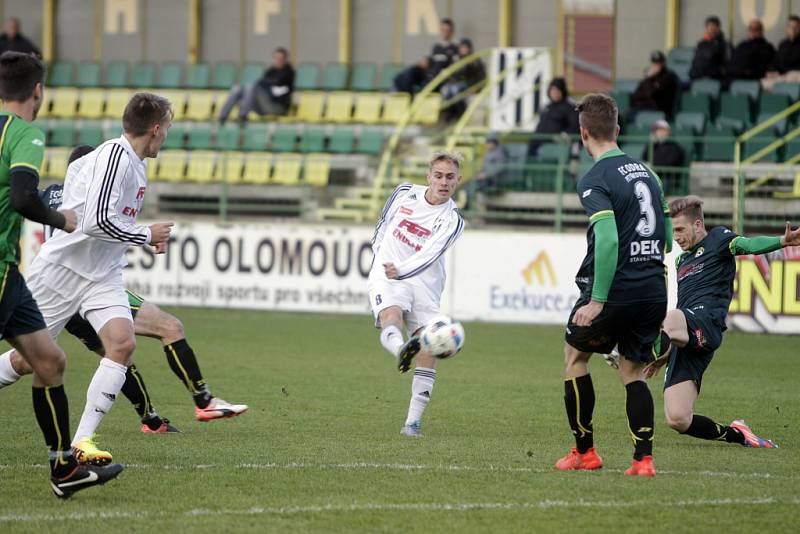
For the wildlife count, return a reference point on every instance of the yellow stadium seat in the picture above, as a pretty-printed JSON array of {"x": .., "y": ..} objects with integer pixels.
[
  {"x": 55, "y": 163},
  {"x": 428, "y": 111},
  {"x": 116, "y": 100},
  {"x": 310, "y": 107},
  {"x": 395, "y": 107},
  {"x": 92, "y": 103},
  {"x": 202, "y": 167},
  {"x": 65, "y": 102},
  {"x": 44, "y": 110},
  {"x": 152, "y": 169},
  {"x": 256, "y": 168},
  {"x": 231, "y": 165},
  {"x": 171, "y": 165},
  {"x": 368, "y": 108},
  {"x": 200, "y": 106},
  {"x": 177, "y": 98},
  {"x": 316, "y": 169},
  {"x": 287, "y": 169},
  {"x": 339, "y": 107}
]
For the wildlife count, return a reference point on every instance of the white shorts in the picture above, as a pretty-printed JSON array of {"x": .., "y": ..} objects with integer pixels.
[
  {"x": 61, "y": 292},
  {"x": 418, "y": 303}
]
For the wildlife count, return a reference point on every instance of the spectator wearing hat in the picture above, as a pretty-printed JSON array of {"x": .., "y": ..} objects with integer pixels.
[
  {"x": 786, "y": 65},
  {"x": 466, "y": 77},
  {"x": 753, "y": 55},
  {"x": 712, "y": 52},
  {"x": 559, "y": 116},
  {"x": 666, "y": 153},
  {"x": 658, "y": 90}
]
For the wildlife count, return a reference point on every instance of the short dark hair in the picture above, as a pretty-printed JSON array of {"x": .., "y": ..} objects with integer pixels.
[
  {"x": 19, "y": 74},
  {"x": 690, "y": 206},
  {"x": 713, "y": 19},
  {"x": 449, "y": 22},
  {"x": 78, "y": 152},
  {"x": 794, "y": 18},
  {"x": 144, "y": 111},
  {"x": 282, "y": 50},
  {"x": 598, "y": 113}
]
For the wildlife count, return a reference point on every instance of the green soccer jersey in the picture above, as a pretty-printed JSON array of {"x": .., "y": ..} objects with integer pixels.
[{"x": 21, "y": 145}]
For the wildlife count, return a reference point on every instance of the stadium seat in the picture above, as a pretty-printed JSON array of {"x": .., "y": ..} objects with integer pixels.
[
  {"x": 760, "y": 141},
  {"x": 779, "y": 128},
  {"x": 773, "y": 102},
  {"x": 65, "y": 103},
  {"x": 176, "y": 137},
  {"x": 228, "y": 137},
  {"x": 88, "y": 74},
  {"x": 335, "y": 77},
  {"x": 692, "y": 119},
  {"x": 143, "y": 75},
  {"x": 171, "y": 165},
  {"x": 92, "y": 103},
  {"x": 622, "y": 85},
  {"x": 370, "y": 141},
  {"x": 316, "y": 169},
  {"x": 341, "y": 140},
  {"x": 307, "y": 77},
  {"x": 197, "y": 76},
  {"x": 255, "y": 137},
  {"x": 623, "y": 101},
  {"x": 177, "y": 98},
  {"x": 791, "y": 89},
  {"x": 90, "y": 134},
  {"x": 256, "y": 168},
  {"x": 55, "y": 163},
  {"x": 47, "y": 101},
  {"x": 199, "y": 137},
  {"x": 645, "y": 119},
  {"x": 200, "y": 105},
  {"x": 428, "y": 111},
  {"x": 684, "y": 135},
  {"x": 706, "y": 86},
  {"x": 388, "y": 73},
  {"x": 152, "y": 168},
  {"x": 634, "y": 149},
  {"x": 310, "y": 106},
  {"x": 203, "y": 167},
  {"x": 224, "y": 75},
  {"x": 169, "y": 75},
  {"x": 696, "y": 103},
  {"x": 718, "y": 143},
  {"x": 751, "y": 88},
  {"x": 287, "y": 169},
  {"x": 251, "y": 72},
  {"x": 117, "y": 74},
  {"x": 680, "y": 55},
  {"x": 62, "y": 134},
  {"x": 368, "y": 108},
  {"x": 682, "y": 72},
  {"x": 339, "y": 107},
  {"x": 116, "y": 100},
  {"x": 395, "y": 107},
  {"x": 735, "y": 106},
  {"x": 637, "y": 133},
  {"x": 312, "y": 140},
  {"x": 738, "y": 125},
  {"x": 232, "y": 164},
  {"x": 283, "y": 139},
  {"x": 61, "y": 74},
  {"x": 363, "y": 77}
]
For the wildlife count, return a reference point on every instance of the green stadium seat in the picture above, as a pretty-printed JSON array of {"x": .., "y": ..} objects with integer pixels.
[
  {"x": 283, "y": 139},
  {"x": 691, "y": 119},
  {"x": 370, "y": 142},
  {"x": 622, "y": 85},
  {"x": 623, "y": 101},
  {"x": 760, "y": 141},
  {"x": 682, "y": 72},
  {"x": 169, "y": 75},
  {"x": 735, "y": 106},
  {"x": 312, "y": 140},
  {"x": 684, "y": 135},
  {"x": 251, "y": 72},
  {"x": 706, "y": 86},
  {"x": 88, "y": 74},
  {"x": 773, "y": 102},
  {"x": 791, "y": 89},
  {"x": 307, "y": 77},
  {"x": 117, "y": 74},
  {"x": 62, "y": 134},
  {"x": 61, "y": 74},
  {"x": 335, "y": 77},
  {"x": 680, "y": 56},
  {"x": 721, "y": 147},
  {"x": 647, "y": 118},
  {"x": 341, "y": 140},
  {"x": 143, "y": 75},
  {"x": 636, "y": 133},
  {"x": 198, "y": 75},
  {"x": 228, "y": 137},
  {"x": 780, "y": 127},
  {"x": 199, "y": 137},
  {"x": 363, "y": 77},
  {"x": 255, "y": 137},
  {"x": 388, "y": 72},
  {"x": 634, "y": 149},
  {"x": 90, "y": 134},
  {"x": 737, "y": 125},
  {"x": 751, "y": 88},
  {"x": 175, "y": 138},
  {"x": 792, "y": 150},
  {"x": 696, "y": 103},
  {"x": 224, "y": 75}
]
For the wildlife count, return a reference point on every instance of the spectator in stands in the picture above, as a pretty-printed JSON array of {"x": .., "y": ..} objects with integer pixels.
[
  {"x": 445, "y": 52},
  {"x": 462, "y": 80},
  {"x": 493, "y": 171},
  {"x": 13, "y": 40},
  {"x": 711, "y": 54},
  {"x": 753, "y": 55},
  {"x": 412, "y": 79},
  {"x": 270, "y": 95},
  {"x": 786, "y": 65},
  {"x": 658, "y": 90},
  {"x": 666, "y": 153},
  {"x": 559, "y": 116}
]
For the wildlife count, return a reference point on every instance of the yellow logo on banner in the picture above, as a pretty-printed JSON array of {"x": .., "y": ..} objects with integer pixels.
[{"x": 542, "y": 268}]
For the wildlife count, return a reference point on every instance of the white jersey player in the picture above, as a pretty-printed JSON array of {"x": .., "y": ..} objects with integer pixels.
[
  {"x": 82, "y": 271},
  {"x": 417, "y": 225}
]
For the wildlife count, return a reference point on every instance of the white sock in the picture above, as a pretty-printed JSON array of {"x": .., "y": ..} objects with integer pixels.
[
  {"x": 392, "y": 340},
  {"x": 421, "y": 389},
  {"x": 7, "y": 373},
  {"x": 103, "y": 390}
]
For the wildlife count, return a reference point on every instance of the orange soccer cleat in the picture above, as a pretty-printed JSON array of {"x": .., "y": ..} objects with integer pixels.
[
  {"x": 642, "y": 468},
  {"x": 576, "y": 461}
]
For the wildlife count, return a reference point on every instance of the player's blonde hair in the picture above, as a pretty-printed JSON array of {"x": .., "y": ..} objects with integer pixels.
[
  {"x": 690, "y": 206},
  {"x": 450, "y": 156}
]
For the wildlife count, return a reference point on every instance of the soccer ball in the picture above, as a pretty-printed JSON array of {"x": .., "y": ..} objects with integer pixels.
[{"x": 442, "y": 337}]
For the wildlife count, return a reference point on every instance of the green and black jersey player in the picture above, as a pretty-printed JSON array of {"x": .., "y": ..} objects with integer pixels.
[
  {"x": 21, "y": 322},
  {"x": 149, "y": 321},
  {"x": 623, "y": 292},
  {"x": 693, "y": 331}
]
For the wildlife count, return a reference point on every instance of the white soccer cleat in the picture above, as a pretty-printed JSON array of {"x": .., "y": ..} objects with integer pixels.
[
  {"x": 613, "y": 358},
  {"x": 219, "y": 409}
]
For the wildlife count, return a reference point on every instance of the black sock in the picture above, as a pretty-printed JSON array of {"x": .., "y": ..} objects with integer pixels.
[
  {"x": 704, "y": 428},
  {"x": 52, "y": 414},
  {"x": 136, "y": 392},
  {"x": 639, "y": 406},
  {"x": 579, "y": 401},
  {"x": 184, "y": 364},
  {"x": 664, "y": 344}
]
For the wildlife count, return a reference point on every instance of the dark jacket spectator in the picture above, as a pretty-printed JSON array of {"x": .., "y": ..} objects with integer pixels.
[
  {"x": 445, "y": 52},
  {"x": 711, "y": 54},
  {"x": 473, "y": 73},
  {"x": 270, "y": 95},
  {"x": 753, "y": 55},
  {"x": 788, "y": 56},
  {"x": 666, "y": 153},
  {"x": 279, "y": 84},
  {"x": 559, "y": 116},
  {"x": 658, "y": 90},
  {"x": 13, "y": 40},
  {"x": 412, "y": 79}
]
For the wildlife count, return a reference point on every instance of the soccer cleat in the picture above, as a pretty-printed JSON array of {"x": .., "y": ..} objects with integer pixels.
[
  {"x": 750, "y": 439},
  {"x": 407, "y": 353},
  {"x": 613, "y": 358},
  {"x": 86, "y": 452},
  {"x": 163, "y": 428},
  {"x": 576, "y": 461},
  {"x": 642, "y": 468},
  {"x": 653, "y": 368},
  {"x": 411, "y": 429},
  {"x": 219, "y": 409},
  {"x": 82, "y": 477}
]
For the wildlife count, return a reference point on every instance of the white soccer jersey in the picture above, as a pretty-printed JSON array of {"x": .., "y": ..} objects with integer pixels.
[
  {"x": 414, "y": 235},
  {"x": 106, "y": 189}
]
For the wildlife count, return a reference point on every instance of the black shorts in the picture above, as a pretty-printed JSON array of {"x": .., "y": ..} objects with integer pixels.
[
  {"x": 19, "y": 314},
  {"x": 705, "y": 336},
  {"x": 633, "y": 328},
  {"x": 82, "y": 329}
]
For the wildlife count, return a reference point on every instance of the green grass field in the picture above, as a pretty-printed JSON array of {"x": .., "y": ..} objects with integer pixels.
[{"x": 320, "y": 448}]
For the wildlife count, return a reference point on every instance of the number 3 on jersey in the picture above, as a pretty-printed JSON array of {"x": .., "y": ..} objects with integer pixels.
[{"x": 647, "y": 224}]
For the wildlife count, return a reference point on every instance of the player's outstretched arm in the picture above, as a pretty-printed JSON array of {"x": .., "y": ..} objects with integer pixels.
[
  {"x": 439, "y": 242},
  {"x": 742, "y": 245}
]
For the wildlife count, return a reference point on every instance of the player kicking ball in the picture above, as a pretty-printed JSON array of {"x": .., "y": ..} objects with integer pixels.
[
  {"x": 623, "y": 292},
  {"x": 417, "y": 225},
  {"x": 693, "y": 332}
]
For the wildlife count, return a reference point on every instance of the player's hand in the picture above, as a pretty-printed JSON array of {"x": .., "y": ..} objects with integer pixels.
[
  {"x": 587, "y": 313},
  {"x": 390, "y": 270},
  {"x": 790, "y": 237},
  {"x": 159, "y": 232},
  {"x": 160, "y": 248},
  {"x": 71, "y": 220}
]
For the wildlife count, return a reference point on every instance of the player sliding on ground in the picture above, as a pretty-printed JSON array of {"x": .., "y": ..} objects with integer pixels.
[
  {"x": 417, "y": 225},
  {"x": 693, "y": 331},
  {"x": 623, "y": 291}
]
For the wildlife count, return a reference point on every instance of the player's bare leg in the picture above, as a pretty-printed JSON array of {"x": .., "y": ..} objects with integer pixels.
[
  {"x": 639, "y": 408},
  {"x": 391, "y": 323},
  {"x": 421, "y": 390}
]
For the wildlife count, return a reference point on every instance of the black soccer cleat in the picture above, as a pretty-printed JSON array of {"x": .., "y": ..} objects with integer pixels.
[
  {"x": 407, "y": 353},
  {"x": 82, "y": 477}
]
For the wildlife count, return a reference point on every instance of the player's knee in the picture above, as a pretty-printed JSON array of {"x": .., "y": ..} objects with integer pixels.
[
  {"x": 172, "y": 329},
  {"x": 123, "y": 348},
  {"x": 50, "y": 367},
  {"x": 678, "y": 420}
]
